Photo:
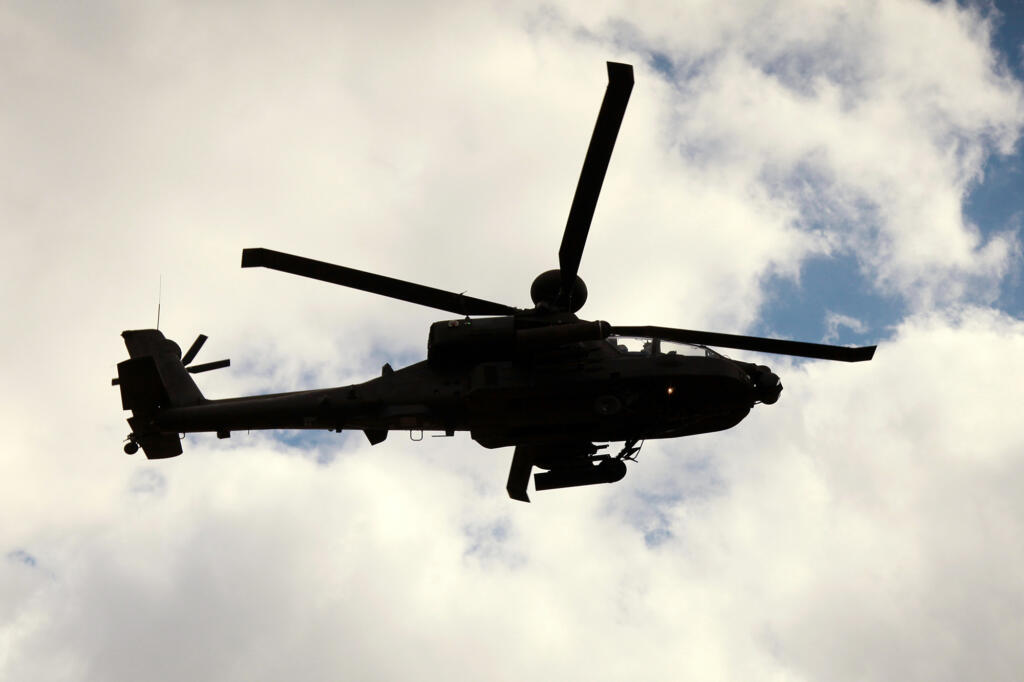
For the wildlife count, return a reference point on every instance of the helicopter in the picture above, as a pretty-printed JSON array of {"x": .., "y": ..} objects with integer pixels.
[{"x": 557, "y": 388}]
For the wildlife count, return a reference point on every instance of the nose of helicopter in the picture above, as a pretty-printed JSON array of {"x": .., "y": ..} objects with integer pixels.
[{"x": 767, "y": 385}]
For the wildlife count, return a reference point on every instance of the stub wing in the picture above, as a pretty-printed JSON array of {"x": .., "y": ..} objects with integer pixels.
[
  {"x": 519, "y": 473},
  {"x": 569, "y": 464}
]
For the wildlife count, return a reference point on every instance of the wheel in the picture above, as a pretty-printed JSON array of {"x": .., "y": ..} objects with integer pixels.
[{"x": 131, "y": 447}]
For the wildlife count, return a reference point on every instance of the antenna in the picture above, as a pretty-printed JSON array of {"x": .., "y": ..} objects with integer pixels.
[{"x": 159, "y": 295}]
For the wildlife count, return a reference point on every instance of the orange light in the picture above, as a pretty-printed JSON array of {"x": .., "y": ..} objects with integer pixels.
[{"x": 670, "y": 390}]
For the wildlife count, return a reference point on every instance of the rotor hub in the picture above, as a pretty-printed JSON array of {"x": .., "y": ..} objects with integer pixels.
[{"x": 547, "y": 285}]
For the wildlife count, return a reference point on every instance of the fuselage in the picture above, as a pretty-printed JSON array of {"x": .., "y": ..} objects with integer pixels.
[{"x": 595, "y": 390}]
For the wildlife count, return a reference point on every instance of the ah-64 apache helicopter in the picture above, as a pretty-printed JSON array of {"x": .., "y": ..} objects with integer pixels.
[{"x": 539, "y": 379}]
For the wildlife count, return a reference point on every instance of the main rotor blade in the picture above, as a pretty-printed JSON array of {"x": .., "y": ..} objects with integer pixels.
[
  {"x": 602, "y": 141},
  {"x": 375, "y": 284},
  {"x": 754, "y": 343},
  {"x": 190, "y": 354}
]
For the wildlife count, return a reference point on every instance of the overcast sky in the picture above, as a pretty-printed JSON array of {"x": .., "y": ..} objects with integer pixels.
[{"x": 839, "y": 171}]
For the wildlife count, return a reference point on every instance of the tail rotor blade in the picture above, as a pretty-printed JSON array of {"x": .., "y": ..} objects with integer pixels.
[
  {"x": 754, "y": 343},
  {"x": 193, "y": 350},
  {"x": 207, "y": 366},
  {"x": 602, "y": 141}
]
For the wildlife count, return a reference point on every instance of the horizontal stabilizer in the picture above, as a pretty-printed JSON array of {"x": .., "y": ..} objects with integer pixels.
[{"x": 159, "y": 445}]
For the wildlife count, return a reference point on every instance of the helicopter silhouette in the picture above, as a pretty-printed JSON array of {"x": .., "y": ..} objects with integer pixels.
[{"x": 557, "y": 388}]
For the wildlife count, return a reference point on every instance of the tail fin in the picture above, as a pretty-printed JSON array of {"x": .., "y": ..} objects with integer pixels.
[
  {"x": 178, "y": 388},
  {"x": 153, "y": 378}
]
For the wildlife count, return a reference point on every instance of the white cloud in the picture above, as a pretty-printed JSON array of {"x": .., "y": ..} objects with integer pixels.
[
  {"x": 834, "y": 320},
  {"x": 864, "y": 527},
  {"x": 862, "y": 520}
]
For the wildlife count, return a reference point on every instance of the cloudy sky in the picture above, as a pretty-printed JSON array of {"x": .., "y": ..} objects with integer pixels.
[{"x": 840, "y": 171}]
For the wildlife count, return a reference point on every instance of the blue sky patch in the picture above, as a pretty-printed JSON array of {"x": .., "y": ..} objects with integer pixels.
[
  {"x": 828, "y": 285},
  {"x": 1008, "y": 37},
  {"x": 148, "y": 481},
  {"x": 997, "y": 203},
  {"x": 20, "y": 556},
  {"x": 321, "y": 445},
  {"x": 489, "y": 543}
]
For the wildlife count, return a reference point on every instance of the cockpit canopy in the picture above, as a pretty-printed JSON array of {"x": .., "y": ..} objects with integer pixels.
[{"x": 649, "y": 346}]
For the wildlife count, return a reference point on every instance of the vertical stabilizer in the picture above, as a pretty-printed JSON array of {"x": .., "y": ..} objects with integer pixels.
[
  {"x": 154, "y": 378},
  {"x": 179, "y": 390}
]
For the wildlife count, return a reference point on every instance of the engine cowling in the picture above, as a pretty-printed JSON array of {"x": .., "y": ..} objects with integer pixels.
[
  {"x": 497, "y": 338},
  {"x": 471, "y": 340}
]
